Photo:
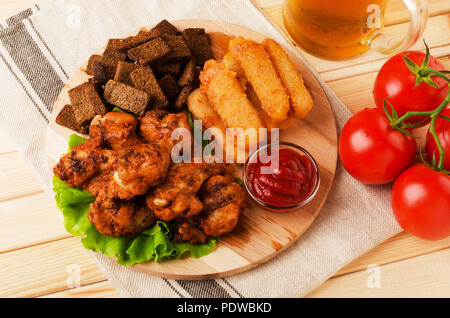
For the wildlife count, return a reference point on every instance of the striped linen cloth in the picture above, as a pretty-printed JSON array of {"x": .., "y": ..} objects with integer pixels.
[{"x": 42, "y": 46}]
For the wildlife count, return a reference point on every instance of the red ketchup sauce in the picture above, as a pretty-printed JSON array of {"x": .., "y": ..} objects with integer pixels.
[{"x": 288, "y": 185}]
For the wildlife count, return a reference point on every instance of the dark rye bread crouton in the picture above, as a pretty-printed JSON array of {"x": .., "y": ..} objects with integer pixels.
[
  {"x": 149, "y": 52},
  {"x": 180, "y": 102},
  {"x": 86, "y": 103},
  {"x": 66, "y": 118},
  {"x": 90, "y": 66},
  {"x": 163, "y": 27},
  {"x": 187, "y": 77},
  {"x": 123, "y": 71},
  {"x": 103, "y": 67},
  {"x": 169, "y": 86},
  {"x": 197, "y": 41},
  {"x": 167, "y": 68},
  {"x": 144, "y": 80},
  {"x": 103, "y": 71},
  {"x": 126, "y": 97},
  {"x": 179, "y": 49},
  {"x": 132, "y": 41},
  {"x": 111, "y": 55}
]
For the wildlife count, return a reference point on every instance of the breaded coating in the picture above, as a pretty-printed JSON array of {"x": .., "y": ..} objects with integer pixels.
[
  {"x": 223, "y": 200},
  {"x": 260, "y": 72},
  {"x": 227, "y": 96},
  {"x": 231, "y": 63},
  {"x": 282, "y": 125},
  {"x": 301, "y": 100},
  {"x": 200, "y": 108},
  {"x": 176, "y": 197},
  {"x": 121, "y": 217}
]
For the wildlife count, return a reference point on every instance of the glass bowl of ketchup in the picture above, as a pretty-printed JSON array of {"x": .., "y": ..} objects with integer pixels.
[{"x": 281, "y": 178}]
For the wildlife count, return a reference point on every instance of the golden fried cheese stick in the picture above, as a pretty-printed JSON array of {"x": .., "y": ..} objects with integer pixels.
[
  {"x": 251, "y": 94},
  {"x": 301, "y": 100},
  {"x": 260, "y": 72},
  {"x": 229, "y": 61},
  {"x": 282, "y": 125},
  {"x": 200, "y": 107},
  {"x": 227, "y": 96}
]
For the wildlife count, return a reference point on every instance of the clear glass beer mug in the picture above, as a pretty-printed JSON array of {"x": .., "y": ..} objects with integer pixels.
[{"x": 339, "y": 29}]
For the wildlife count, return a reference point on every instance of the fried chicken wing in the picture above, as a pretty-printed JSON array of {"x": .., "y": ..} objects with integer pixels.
[
  {"x": 223, "y": 200},
  {"x": 190, "y": 231},
  {"x": 176, "y": 197},
  {"x": 81, "y": 163},
  {"x": 111, "y": 131},
  {"x": 115, "y": 130},
  {"x": 157, "y": 127},
  {"x": 102, "y": 185},
  {"x": 130, "y": 169},
  {"x": 121, "y": 217},
  {"x": 138, "y": 168}
]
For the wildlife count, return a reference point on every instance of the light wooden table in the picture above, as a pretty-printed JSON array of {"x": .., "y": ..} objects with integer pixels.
[{"x": 36, "y": 253}]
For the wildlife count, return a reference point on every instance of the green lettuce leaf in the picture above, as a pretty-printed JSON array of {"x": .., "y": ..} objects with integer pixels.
[
  {"x": 154, "y": 243},
  {"x": 75, "y": 140},
  {"x": 118, "y": 110}
]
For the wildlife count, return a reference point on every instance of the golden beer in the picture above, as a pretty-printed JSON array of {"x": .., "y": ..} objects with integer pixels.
[{"x": 333, "y": 28}]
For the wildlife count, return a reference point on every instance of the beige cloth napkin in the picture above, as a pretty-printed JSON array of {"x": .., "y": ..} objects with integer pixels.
[{"x": 42, "y": 46}]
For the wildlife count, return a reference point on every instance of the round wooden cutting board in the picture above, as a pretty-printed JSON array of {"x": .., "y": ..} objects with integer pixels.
[{"x": 260, "y": 234}]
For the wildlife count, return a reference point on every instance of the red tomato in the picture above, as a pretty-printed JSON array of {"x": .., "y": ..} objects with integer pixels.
[
  {"x": 396, "y": 83},
  {"x": 371, "y": 151},
  {"x": 421, "y": 202},
  {"x": 443, "y": 131}
]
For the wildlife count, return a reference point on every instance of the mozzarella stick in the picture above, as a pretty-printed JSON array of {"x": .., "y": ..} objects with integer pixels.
[
  {"x": 201, "y": 109},
  {"x": 260, "y": 72},
  {"x": 199, "y": 106},
  {"x": 231, "y": 63},
  {"x": 282, "y": 125},
  {"x": 227, "y": 96},
  {"x": 301, "y": 100}
]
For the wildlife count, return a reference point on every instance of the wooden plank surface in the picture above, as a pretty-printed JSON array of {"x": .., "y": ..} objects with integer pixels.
[
  {"x": 427, "y": 276},
  {"x": 37, "y": 261}
]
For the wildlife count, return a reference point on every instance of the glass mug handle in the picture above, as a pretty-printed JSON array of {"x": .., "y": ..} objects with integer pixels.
[{"x": 419, "y": 15}]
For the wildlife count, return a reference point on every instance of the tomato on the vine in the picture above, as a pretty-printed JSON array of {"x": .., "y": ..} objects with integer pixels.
[
  {"x": 396, "y": 83},
  {"x": 373, "y": 152},
  {"x": 421, "y": 202},
  {"x": 443, "y": 132}
]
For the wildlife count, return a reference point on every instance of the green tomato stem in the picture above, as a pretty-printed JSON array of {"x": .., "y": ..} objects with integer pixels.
[
  {"x": 433, "y": 115},
  {"x": 424, "y": 73},
  {"x": 437, "y": 141},
  {"x": 430, "y": 71}
]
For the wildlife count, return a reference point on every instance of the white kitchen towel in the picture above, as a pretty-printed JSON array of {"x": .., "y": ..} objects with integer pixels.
[{"x": 41, "y": 47}]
